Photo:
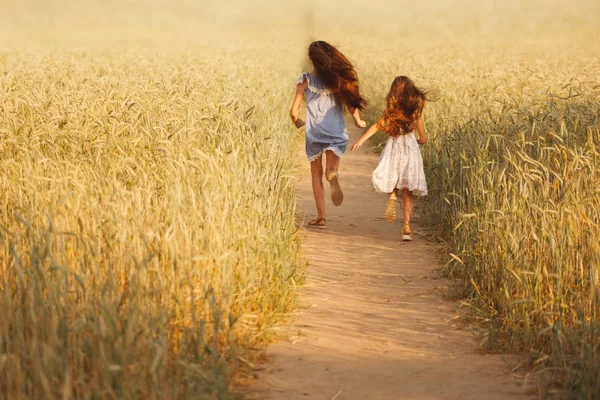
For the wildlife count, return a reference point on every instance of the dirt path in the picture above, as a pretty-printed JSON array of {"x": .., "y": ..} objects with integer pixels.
[{"x": 373, "y": 323}]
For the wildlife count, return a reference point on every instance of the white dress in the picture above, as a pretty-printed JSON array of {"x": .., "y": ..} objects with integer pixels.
[{"x": 401, "y": 166}]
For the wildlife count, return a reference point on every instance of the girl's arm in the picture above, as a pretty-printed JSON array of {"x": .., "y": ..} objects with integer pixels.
[
  {"x": 357, "y": 121},
  {"x": 300, "y": 88},
  {"x": 370, "y": 132},
  {"x": 421, "y": 129}
]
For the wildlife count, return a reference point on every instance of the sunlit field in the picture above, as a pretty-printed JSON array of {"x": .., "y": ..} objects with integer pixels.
[
  {"x": 148, "y": 242},
  {"x": 513, "y": 166},
  {"x": 147, "y": 224}
]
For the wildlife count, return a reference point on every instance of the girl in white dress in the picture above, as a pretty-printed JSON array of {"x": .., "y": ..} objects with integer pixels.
[{"x": 400, "y": 165}]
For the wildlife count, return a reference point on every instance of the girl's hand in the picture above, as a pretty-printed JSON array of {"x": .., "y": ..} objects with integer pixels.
[
  {"x": 360, "y": 123},
  {"x": 421, "y": 129},
  {"x": 370, "y": 132},
  {"x": 300, "y": 88}
]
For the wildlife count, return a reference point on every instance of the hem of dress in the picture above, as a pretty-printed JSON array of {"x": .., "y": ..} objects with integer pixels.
[
  {"x": 416, "y": 192},
  {"x": 335, "y": 151},
  {"x": 332, "y": 149},
  {"x": 313, "y": 158}
]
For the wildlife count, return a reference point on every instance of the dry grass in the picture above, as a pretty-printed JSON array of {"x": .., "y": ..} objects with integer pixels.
[
  {"x": 513, "y": 167},
  {"x": 147, "y": 225}
]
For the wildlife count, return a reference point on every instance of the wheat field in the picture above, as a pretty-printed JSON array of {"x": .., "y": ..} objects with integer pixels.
[
  {"x": 148, "y": 242},
  {"x": 147, "y": 226},
  {"x": 512, "y": 164}
]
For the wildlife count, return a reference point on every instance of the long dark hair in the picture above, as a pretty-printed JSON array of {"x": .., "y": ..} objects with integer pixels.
[
  {"x": 404, "y": 107},
  {"x": 337, "y": 74}
]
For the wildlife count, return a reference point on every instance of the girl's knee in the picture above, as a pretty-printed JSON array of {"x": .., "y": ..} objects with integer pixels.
[{"x": 317, "y": 171}]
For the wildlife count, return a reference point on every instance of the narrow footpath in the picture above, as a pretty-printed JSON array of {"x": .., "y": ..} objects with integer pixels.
[{"x": 373, "y": 322}]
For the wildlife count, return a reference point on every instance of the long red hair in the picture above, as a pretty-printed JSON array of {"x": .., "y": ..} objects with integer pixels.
[
  {"x": 337, "y": 74},
  {"x": 404, "y": 107}
]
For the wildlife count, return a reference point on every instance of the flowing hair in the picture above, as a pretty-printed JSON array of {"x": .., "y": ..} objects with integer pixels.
[
  {"x": 404, "y": 107},
  {"x": 337, "y": 74}
]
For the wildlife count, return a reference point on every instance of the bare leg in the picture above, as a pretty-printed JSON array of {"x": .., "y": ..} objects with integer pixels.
[
  {"x": 331, "y": 167},
  {"x": 407, "y": 205},
  {"x": 390, "y": 210},
  {"x": 316, "y": 169},
  {"x": 332, "y": 163}
]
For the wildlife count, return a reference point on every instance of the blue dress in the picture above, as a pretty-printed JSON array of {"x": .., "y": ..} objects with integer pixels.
[{"x": 325, "y": 126}]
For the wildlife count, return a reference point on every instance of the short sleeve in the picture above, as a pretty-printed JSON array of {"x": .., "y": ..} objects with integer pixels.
[{"x": 303, "y": 77}]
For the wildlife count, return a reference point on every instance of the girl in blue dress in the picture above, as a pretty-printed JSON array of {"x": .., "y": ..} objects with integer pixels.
[{"x": 331, "y": 87}]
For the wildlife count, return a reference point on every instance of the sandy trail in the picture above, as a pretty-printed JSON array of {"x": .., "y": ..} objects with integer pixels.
[{"x": 373, "y": 322}]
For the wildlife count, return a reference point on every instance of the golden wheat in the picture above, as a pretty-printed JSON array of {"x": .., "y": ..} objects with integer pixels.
[
  {"x": 514, "y": 173},
  {"x": 146, "y": 210},
  {"x": 147, "y": 225}
]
